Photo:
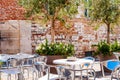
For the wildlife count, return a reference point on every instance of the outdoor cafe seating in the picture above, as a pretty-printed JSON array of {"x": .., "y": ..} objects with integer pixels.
[
  {"x": 15, "y": 64},
  {"x": 70, "y": 68},
  {"x": 114, "y": 66},
  {"x": 80, "y": 67},
  {"x": 12, "y": 68}
]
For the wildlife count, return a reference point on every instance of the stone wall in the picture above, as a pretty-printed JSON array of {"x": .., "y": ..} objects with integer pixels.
[
  {"x": 25, "y": 36},
  {"x": 82, "y": 35},
  {"x": 15, "y": 36},
  {"x": 19, "y": 36}
]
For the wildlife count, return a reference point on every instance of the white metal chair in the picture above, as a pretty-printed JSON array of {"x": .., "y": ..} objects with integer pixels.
[
  {"x": 114, "y": 66},
  {"x": 13, "y": 68},
  {"x": 40, "y": 59},
  {"x": 88, "y": 64},
  {"x": 37, "y": 61},
  {"x": 70, "y": 74},
  {"x": 45, "y": 74},
  {"x": 27, "y": 64},
  {"x": 86, "y": 69}
]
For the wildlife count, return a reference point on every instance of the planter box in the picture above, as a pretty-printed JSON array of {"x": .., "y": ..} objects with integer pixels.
[
  {"x": 53, "y": 57},
  {"x": 50, "y": 59},
  {"x": 108, "y": 57}
]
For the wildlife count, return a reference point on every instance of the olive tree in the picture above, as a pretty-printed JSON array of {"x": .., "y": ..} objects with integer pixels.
[
  {"x": 50, "y": 10},
  {"x": 107, "y": 12}
]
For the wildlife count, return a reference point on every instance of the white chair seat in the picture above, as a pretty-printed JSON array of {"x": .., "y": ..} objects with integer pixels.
[{"x": 51, "y": 77}]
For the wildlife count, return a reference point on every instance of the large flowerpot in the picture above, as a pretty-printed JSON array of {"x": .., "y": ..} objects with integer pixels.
[
  {"x": 50, "y": 59},
  {"x": 107, "y": 57}
]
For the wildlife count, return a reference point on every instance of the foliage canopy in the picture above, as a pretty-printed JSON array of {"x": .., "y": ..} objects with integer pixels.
[
  {"x": 49, "y": 9},
  {"x": 46, "y": 11},
  {"x": 105, "y": 11}
]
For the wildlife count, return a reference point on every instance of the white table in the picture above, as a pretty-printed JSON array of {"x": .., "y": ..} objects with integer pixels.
[
  {"x": 117, "y": 54},
  {"x": 22, "y": 56},
  {"x": 19, "y": 56},
  {"x": 4, "y": 57},
  {"x": 76, "y": 62}
]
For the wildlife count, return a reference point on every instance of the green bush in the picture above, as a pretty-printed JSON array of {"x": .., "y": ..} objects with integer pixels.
[
  {"x": 55, "y": 49},
  {"x": 106, "y": 49},
  {"x": 115, "y": 47},
  {"x": 103, "y": 48}
]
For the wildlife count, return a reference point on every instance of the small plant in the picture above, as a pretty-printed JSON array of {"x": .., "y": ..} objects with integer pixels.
[
  {"x": 106, "y": 49},
  {"x": 103, "y": 48},
  {"x": 55, "y": 49},
  {"x": 115, "y": 47}
]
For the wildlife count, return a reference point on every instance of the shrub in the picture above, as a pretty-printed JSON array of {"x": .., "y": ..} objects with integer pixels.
[
  {"x": 106, "y": 49},
  {"x": 55, "y": 49},
  {"x": 103, "y": 48},
  {"x": 115, "y": 47}
]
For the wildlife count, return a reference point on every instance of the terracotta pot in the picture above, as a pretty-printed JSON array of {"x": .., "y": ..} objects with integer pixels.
[
  {"x": 108, "y": 57},
  {"x": 53, "y": 57},
  {"x": 50, "y": 59}
]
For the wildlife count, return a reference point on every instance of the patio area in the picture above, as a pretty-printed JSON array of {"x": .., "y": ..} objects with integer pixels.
[
  {"x": 59, "y": 39},
  {"x": 96, "y": 67},
  {"x": 34, "y": 67}
]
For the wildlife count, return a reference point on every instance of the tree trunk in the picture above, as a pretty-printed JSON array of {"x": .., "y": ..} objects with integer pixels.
[
  {"x": 0, "y": 43},
  {"x": 52, "y": 30},
  {"x": 108, "y": 33}
]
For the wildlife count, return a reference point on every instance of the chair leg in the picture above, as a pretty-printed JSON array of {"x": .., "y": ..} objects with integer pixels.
[
  {"x": 27, "y": 71},
  {"x": 15, "y": 76},
  {"x": 34, "y": 75},
  {"x": 9, "y": 77},
  {"x": 0, "y": 76}
]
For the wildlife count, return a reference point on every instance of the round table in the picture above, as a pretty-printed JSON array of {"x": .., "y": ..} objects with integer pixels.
[
  {"x": 74, "y": 62},
  {"x": 19, "y": 56},
  {"x": 117, "y": 54}
]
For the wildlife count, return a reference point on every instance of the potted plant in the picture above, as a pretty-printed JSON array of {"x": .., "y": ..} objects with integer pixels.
[
  {"x": 55, "y": 50},
  {"x": 103, "y": 51}
]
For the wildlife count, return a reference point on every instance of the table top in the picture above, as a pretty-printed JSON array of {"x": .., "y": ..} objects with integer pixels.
[
  {"x": 78, "y": 61},
  {"x": 116, "y": 53},
  {"x": 5, "y": 57}
]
